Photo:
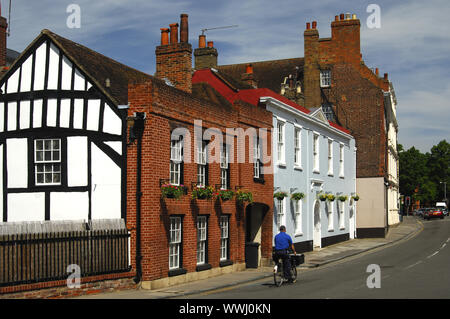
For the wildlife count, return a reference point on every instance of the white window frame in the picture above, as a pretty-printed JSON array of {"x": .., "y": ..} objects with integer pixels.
[
  {"x": 175, "y": 232},
  {"x": 298, "y": 207},
  {"x": 224, "y": 166},
  {"x": 325, "y": 78},
  {"x": 341, "y": 215},
  {"x": 256, "y": 158},
  {"x": 316, "y": 152},
  {"x": 47, "y": 166},
  {"x": 297, "y": 147},
  {"x": 202, "y": 238},
  {"x": 330, "y": 216},
  {"x": 330, "y": 157},
  {"x": 281, "y": 212},
  {"x": 224, "y": 236},
  {"x": 341, "y": 160},
  {"x": 281, "y": 141},
  {"x": 201, "y": 164},
  {"x": 176, "y": 160}
]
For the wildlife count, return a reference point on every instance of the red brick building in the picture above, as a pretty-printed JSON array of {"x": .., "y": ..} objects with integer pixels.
[{"x": 170, "y": 234}]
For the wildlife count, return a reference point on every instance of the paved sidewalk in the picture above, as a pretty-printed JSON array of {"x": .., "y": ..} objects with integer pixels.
[{"x": 408, "y": 228}]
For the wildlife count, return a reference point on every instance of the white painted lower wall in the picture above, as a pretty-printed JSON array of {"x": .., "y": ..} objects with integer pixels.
[{"x": 26, "y": 207}]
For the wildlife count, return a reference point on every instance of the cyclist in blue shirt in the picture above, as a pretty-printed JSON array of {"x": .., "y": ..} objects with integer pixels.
[{"x": 282, "y": 244}]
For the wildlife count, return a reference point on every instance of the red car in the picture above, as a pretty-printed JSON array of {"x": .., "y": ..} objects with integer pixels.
[{"x": 432, "y": 213}]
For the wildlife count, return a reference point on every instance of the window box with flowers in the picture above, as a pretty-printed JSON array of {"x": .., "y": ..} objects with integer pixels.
[
  {"x": 202, "y": 192},
  {"x": 172, "y": 191},
  {"x": 224, "y": 194}
]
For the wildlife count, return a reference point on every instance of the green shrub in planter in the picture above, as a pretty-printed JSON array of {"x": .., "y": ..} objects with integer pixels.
[
  {"x": 242, "y": 197},
  {"x": 297, "y": 196},
  {"x": 343, "y": 198}
]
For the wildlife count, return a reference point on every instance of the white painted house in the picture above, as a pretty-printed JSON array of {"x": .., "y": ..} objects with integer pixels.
[{"x": 63, "y": 134}]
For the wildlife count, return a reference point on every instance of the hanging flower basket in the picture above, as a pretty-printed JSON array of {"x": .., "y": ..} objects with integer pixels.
[
  {"x": 225, "y": 195},
  {"x": 343, "y": 198},
  {"x": 355, "y": 197},
  {"x": 331, "y": 197},
  {"x": 322, "y": 197},
  {"x": 297, "y": 196},
  {"x": 202, "y": 192},
  {"x": 280, "y": 195},
  {"x": 242, "y": 197},
  {"x": 172, "y": 191}
]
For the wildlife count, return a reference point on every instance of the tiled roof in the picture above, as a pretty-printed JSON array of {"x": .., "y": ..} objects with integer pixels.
[
  {"x": 100, "y": 67},
  {"x": 268, "y": 74}
]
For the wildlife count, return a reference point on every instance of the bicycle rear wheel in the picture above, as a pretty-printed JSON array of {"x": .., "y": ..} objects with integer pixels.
[
  {"x": 294, "y": 273},
  {"x": 278, "y": 275}
]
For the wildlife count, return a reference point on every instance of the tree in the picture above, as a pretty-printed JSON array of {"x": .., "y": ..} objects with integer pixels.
[
  {"x": 439, "y": 167},
  {"x": 412, "y": 171}
]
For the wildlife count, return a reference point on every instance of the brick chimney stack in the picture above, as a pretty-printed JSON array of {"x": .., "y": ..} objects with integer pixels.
[
  {"x": 3, "y": 28},
  {"x": 311, "y": 76},
  {"x": 248, "y": 77},
  {"x": 174, "y": 58},
  {"x": 345, "y": 35},
  {"x": 205, "y": 57}
]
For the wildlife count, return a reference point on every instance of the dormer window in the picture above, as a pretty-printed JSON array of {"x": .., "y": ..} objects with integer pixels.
[{"x": 325, "y": 78}]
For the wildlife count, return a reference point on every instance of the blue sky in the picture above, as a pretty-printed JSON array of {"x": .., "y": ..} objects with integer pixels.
[{"x": 412, "y": 44}]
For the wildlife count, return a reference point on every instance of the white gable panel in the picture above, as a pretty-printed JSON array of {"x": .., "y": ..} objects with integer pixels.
[
  {"x": 37, "y": 113},
  {"x": 77, "y": 161},
  {"x": 17, "y": 162},
  {"x": 93, "y": 114},
  {"x": 39, "y": 69},
  {"x": 2, "y": 116},
  {"x": 69, "y": 206},
  {"x": 13, "y": 82},
  {"x": 111, "y": 121},
  {"x": 26, "y": 207},
  {"x": 51, "y": 112},
  {"x": 12, "y": 116},
  {"x": 106, "y": 186},
  {"x": 117, "y": 146},
  {"x": 64, "y": 116},
  {"x": 80, "y": 81},
  {"x": 53, "y": 71},
  {"x": 89, "y": 85},
  {"x": 27, "y": 69},
  {"x": 1, "y": 179},
  {"x": 66, "y": 81},
  {"x": 24, "y": 114},
  {"x": 78, "y": 114}
]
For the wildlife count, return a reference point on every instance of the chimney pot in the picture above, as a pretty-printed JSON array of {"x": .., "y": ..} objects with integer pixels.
[
  {"x": 210, "y": 44},
  {"x": 184, "y": 28},
  {"x": 164, "y": 36},
  {"x": 354, "y": 17},
  {"x": 173, "y": 33},
  {"x": 314, "y": 24},
  {"x": 249, "y": 69},
  {"x": 385, "y": 76},
  {"x": 308, "y": 25},
  {"x": 202, "y": 41},
  {"x": 347, "y": 16},
  {"x": 376, "y": 71},
  {"x": 341, "y": 16},
  {"x": 336, "y": 18}
]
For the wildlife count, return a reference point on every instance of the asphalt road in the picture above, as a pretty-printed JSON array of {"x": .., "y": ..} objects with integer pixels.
[{"x": 416, "y": 268}]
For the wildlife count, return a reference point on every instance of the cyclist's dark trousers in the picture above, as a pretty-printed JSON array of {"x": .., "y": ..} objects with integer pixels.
[{"x": 284, "y": 255}]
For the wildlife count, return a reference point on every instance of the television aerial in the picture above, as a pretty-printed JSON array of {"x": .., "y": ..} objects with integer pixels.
[{"x": 216, "y": 28}]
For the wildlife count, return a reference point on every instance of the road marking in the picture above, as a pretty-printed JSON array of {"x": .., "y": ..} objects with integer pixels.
[
  {"x": 435, "y": 253},
  {"x": 410, "y": 266},
  {"x": 443, "y": 246}
]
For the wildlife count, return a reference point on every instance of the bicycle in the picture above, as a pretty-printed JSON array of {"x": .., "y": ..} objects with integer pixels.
[{"x": 278, "y": 271}]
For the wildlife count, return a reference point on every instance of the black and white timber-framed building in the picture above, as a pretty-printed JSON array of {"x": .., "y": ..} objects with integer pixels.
[{"x": 63, "y": 134}]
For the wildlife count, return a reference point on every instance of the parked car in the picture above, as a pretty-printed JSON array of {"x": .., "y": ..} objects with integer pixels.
[
  {"x": 445, "y": 211},
  {"x": 419, "y": 212},
  {"x": 433, "y": 213}
]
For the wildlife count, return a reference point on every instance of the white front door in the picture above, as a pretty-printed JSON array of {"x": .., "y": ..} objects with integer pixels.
[{"x": 317, "y": 240}]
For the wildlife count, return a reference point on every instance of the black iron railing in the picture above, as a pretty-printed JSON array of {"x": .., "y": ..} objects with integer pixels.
[{"x": 31, "y": 258}]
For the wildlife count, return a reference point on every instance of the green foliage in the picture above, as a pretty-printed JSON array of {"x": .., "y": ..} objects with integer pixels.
[
  {"x": 297, "y": 196},
  {"x": 172, "y": 191},
  {"x": 202, "y": 192},
  {"x": 280, "y": 195},
  {"x": 225, "y": 194},
  {"x": 343, "y": 198},
  {"x": 242, "y": 197}
]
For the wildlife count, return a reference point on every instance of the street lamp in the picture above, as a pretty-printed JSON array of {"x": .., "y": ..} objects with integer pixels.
[{"x": 445, "y": 191}]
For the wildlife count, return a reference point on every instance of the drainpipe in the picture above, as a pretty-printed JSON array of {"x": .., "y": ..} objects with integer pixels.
[{"x": 136, "y": 133}]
